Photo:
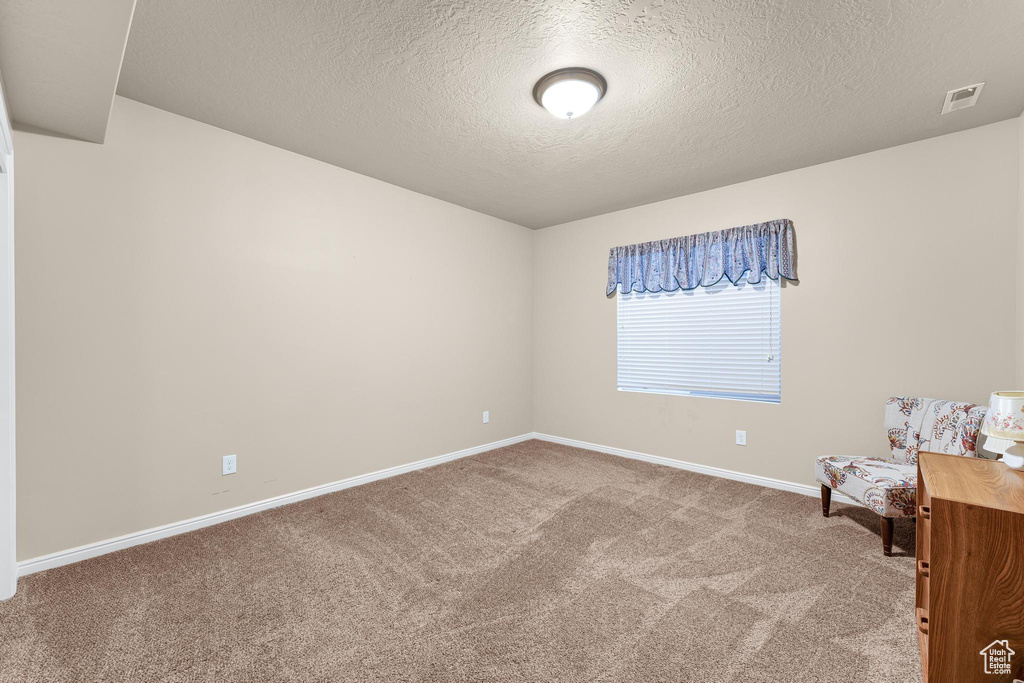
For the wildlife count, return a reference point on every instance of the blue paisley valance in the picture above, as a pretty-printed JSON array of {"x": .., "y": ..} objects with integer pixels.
[{"x": 704, "y": 259}]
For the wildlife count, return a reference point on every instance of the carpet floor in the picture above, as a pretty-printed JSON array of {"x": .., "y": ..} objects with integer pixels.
[{"x": 536, "y": 562}]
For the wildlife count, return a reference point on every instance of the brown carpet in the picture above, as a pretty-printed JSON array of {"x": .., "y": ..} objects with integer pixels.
[{"x": 535, "y": 562}]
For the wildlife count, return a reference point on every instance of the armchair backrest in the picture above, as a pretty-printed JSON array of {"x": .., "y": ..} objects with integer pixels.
[{"x": 928, "y": 424}]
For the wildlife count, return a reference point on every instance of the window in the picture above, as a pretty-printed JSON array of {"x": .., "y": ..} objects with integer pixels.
[{"x": 722, "y": 341}]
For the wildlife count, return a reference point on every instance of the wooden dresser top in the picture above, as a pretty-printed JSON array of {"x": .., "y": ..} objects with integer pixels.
[{"x": 975, "y": 481}]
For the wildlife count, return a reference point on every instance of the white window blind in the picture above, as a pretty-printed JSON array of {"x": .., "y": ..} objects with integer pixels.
[{"x": 722, "y": 341}]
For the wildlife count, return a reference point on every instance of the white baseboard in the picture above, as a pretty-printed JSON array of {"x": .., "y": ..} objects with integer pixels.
[
  {"x": 768, "y": 482},
  {"x": 84, "y": 552}
]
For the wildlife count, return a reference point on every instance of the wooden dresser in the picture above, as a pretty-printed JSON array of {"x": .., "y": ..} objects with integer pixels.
[{"x": 970, "y": 569}]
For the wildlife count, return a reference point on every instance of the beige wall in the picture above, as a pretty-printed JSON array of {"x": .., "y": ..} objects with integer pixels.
[
  {"x": 1020, "y": 255},
  {"x": 184, "y": 293},
  {"x": 904, "y": 289}
]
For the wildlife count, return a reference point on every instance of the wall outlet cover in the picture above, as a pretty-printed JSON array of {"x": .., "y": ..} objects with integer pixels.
[
  {"x": 741, "y": 437},
  {"x": 229, "y": 465},
  {"x": 487, "y": 416}
]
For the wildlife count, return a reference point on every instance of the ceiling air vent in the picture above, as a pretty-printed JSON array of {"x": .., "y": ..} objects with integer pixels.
[{"x": 962, "y": 97}]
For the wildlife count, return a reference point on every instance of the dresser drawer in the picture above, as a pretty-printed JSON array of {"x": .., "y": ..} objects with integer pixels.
[
  {"x": 923, "y": 576},
  {"x": 924, "y": 533},
  {"x": 924, "y": 500}
]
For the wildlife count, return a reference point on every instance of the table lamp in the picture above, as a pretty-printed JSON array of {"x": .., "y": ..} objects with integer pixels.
[{"x": 1004, "y": 427}]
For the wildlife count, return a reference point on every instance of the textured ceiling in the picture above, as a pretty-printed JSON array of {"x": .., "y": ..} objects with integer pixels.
[
  {"x": 60, "y": 60},
  {"x": 436, "y": 96}
]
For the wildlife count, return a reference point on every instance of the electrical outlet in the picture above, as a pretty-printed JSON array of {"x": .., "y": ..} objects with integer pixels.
[
  {"x": 487, "y": 416},
  {"x": 741, "y": 437},
  {"x": 229, "y": 465}
]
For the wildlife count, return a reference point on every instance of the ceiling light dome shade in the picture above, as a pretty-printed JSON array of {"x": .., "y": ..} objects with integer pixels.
[{"x": 570, "y": 93}]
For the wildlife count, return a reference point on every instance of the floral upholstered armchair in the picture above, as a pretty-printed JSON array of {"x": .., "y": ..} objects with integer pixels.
[{"x": 888, "y": 485}]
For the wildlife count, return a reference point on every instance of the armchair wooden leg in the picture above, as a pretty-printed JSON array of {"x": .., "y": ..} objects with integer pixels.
[
  {"x": 826, "y": 499},
  {"x": 887, "y": 524}
]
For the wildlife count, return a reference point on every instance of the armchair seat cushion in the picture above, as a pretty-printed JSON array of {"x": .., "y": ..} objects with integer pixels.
[{"x": 889, "y": 488}]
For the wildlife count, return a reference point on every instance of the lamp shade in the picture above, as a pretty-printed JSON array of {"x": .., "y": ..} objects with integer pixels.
[{"x": 1005, "y": 416}]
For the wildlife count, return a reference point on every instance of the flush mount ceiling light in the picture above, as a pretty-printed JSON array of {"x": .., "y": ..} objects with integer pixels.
[{"x": 570, "y": 93}]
